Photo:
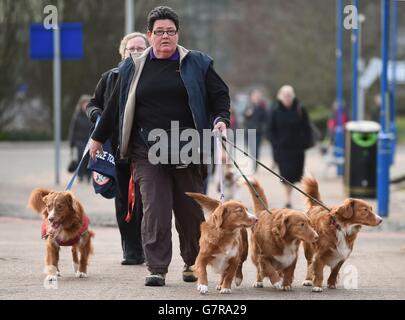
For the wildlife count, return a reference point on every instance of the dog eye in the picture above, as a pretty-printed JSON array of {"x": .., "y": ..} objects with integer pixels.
[{"x": 302, "y": 224}]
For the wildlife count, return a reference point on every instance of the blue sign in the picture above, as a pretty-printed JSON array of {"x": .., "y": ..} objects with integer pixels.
[{"x": 41, "y": 41}]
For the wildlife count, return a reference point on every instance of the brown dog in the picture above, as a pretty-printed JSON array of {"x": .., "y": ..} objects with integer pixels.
[
  {"x": 337, "y": 232},
  {"x": 223, "y": 241},
  {"x": 275, "y": 241},
  {"x": 64, "y": 224}
]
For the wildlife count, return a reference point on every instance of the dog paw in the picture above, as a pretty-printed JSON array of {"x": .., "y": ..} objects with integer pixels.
[
  {"x": 238, "y": 281},
  {"x": 331, "y": 286},
  {"x": 51, "y": 270},
  {"x": 51, "y": 278},
  {"x": 317, "y": 289},
  {"x": 58, "y": 274},
  {"x": 75, "y": 267},
  {"x": 287, "y": 288},
  {"x": 258, "y": 284},
  {"x": 278, "y": 285},
  {"x": 218, "y": 287},
  {"x": 81, "y": 274},
  {"x": 307, "y": 283},
  {"x": 225, "y": 291},
  {"x": 202, "y": 288}
]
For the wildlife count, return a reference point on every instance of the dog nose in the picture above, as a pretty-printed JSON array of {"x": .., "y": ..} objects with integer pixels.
[
  {"x": 51, "y": 219},
  {"x": 379, "y": 220}
]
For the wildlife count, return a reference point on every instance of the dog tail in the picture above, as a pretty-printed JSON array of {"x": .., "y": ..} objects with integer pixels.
[
  {"x": 310, "y": 186},
  {"x": 35, "y": 200},
  {"x": 257, "y": 204}
]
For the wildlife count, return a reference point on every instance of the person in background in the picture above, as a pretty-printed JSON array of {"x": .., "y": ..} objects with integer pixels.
[
  {"x": 131, "y": 239},
  {"x": 289, "y": 133},
  {"x": 79, "y": 133},
  {"x": 166, "y": 83},
  {"x": 255, "y": 118}
]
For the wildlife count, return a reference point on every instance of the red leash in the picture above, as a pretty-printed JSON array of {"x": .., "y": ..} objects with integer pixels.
[{"x": 131, "y": 200}]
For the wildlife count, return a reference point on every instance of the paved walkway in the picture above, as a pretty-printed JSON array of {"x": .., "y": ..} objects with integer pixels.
[{"x": 376, "y": 266}]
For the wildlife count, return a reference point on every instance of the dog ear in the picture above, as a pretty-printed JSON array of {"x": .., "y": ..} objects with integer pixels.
[
  {"x": 77, "y": 208},
  {"x": 45, "y": 200},
  {"x": 280, "y": 228},
  {"x": 218, "y": 217},
  {"x": 346, "y": 210},
  {"x": 283, "y": 227},
  {"x": 73, "y": 203},
  {"x": 204, "y": 201}
]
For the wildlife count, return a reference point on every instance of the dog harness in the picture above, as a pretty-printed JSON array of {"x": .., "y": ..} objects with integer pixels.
[{"x": 69, "y": 242}]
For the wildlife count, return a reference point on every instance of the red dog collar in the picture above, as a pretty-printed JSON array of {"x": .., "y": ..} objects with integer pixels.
[{"x": 69, "y": 242}]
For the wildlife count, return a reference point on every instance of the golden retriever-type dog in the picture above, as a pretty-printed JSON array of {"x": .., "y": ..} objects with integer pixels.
[
  {"x": 64, "y": 224},
  {"x": 223, "y": 241},
  {"x": 275, "y": 241},
  {"x": 337, "y": 232}
]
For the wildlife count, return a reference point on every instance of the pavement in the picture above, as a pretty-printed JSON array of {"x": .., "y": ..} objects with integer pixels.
[{"x": 373, "y": 271}]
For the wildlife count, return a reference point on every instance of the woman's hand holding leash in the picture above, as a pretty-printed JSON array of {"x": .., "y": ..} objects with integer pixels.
[
  {"x": 95, "y": 148},
  {"x": 221, "y": 127}
]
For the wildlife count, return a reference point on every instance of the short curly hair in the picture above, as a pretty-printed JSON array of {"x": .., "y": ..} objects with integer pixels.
[{"x": 162, "y": 13}]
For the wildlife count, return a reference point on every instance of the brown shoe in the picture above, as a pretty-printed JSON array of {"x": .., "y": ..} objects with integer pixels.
[{"x": 188, "y": 274}]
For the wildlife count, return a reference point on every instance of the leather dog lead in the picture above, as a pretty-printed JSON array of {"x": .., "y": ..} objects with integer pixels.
[
  {"x": 246, "y": 179},
  {"x": 276, "y": 174},
  {"x": 218, "y": 153},
  {"x": 86, "y": 150}
]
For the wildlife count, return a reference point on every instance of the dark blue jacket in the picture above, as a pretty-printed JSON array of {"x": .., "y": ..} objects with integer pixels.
[{"x": 208, "y": 96}]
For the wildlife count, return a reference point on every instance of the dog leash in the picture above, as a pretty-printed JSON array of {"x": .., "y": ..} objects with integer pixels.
[
  {"x": 218, "y": 153},
  {"x": 274, "y": 173},
  {"x": 86, "y": 150},
  {"x": 245, "y": 178}
]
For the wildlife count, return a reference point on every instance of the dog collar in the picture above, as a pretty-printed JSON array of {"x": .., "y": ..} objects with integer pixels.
[
  {"x": 334, "y": 222},
  {"x": 69, "y": 242}
]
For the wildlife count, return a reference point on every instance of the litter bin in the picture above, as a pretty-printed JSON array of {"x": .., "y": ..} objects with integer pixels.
[{"x": 361, "y": 158}]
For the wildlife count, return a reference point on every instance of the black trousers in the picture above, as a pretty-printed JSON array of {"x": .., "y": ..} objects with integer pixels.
[
  {"x": 131, "y": 238},
  {"x": 163, "y": 191}
]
